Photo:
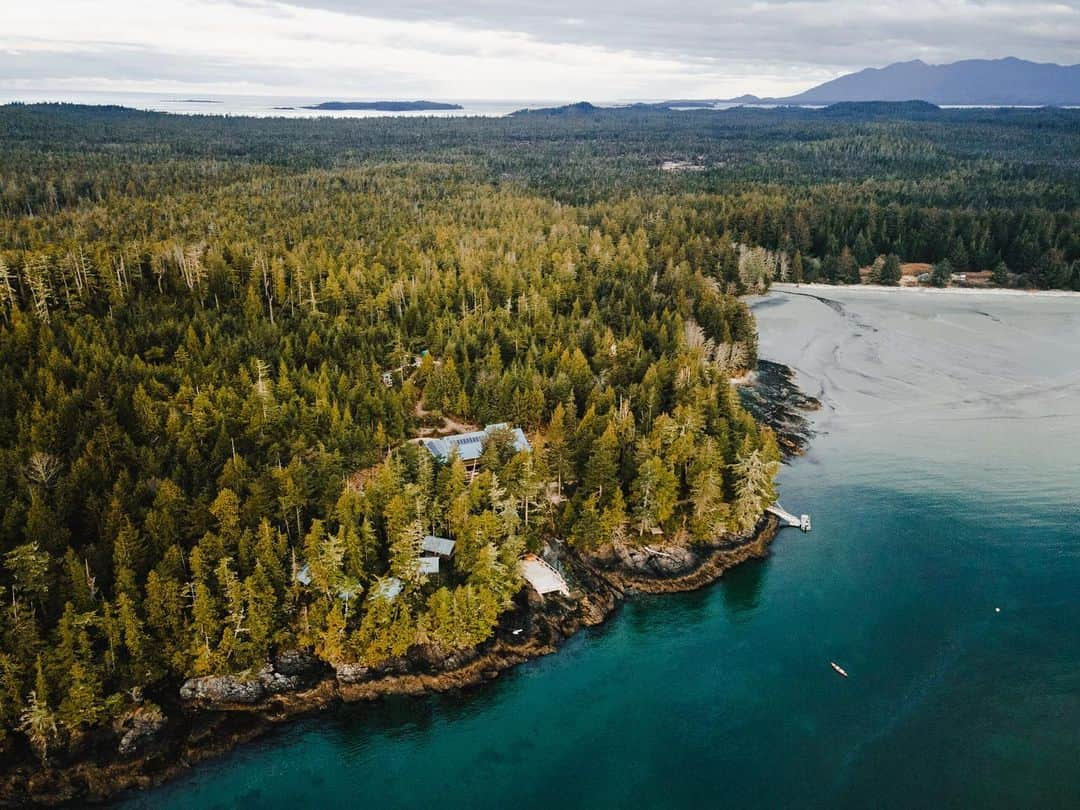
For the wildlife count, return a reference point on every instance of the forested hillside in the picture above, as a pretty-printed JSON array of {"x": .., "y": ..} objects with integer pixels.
[
  {"x": 196, "y": 315},
  {"x": 976, "y": 187}
]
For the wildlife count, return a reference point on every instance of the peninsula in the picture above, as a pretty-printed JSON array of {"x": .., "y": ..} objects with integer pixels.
[
  {"x": 581, "y": 587},
  {"x": 385, "y": 106},
  {"x": 269, "y": 474}
]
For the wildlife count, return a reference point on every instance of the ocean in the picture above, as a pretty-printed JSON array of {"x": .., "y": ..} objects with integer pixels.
[{"x": 261, "y": 106}]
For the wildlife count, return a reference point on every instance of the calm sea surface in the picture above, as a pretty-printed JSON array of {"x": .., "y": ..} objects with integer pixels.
[
  {"x": 260, "y": 106},
  {"x": 943, "y": 485},
  {"x": 293, "y": 106}
]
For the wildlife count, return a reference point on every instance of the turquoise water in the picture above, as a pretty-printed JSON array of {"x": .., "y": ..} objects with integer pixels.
[{"x": 942, "y": 485}]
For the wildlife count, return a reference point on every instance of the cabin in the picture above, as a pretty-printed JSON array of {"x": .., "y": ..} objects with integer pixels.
[
  {"x": 470, "y": 446},
  {"x": 432, "y": 551},
  {"x": 433, "y": 546},
  {"x": 429, "y": 565}
]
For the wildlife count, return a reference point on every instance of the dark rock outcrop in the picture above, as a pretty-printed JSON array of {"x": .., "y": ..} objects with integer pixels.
[
  {"x": 140, "y": 728},
  {"x": 225, "y": 691},
  {"x": 298, "y": 663},
  {"x": 774, "y": 400},
  {"x": 650, "y": 560},
  {"x": 352, "y": 673},
  {"x": 222, "y": 689}
]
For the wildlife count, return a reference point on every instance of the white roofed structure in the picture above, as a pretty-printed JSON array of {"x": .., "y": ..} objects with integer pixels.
[
  {"x": 439, "y": 546},
  {"x": 429, "y": 565},
  {"x": 470, "y": 446}
]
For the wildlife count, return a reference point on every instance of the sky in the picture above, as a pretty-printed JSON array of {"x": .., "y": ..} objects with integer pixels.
[{"x": 601, "y": 50}]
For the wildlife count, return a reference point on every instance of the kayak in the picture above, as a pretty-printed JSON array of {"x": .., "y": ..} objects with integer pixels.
[{"x": 838, "y": 668}]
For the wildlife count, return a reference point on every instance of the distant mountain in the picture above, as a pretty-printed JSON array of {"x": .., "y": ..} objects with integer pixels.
[
  {"x": 989, "y": 82},
  {"x": 384, "y": 106},
  {"x": 974, "y": 81},
  {"x": 1005, "y": 82}
]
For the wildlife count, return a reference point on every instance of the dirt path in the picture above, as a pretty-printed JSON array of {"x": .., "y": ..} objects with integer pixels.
[{"x": 449, "y": 426}]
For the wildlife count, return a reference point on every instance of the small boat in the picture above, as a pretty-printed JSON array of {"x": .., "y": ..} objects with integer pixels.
[{"x": 839, "y": 669}]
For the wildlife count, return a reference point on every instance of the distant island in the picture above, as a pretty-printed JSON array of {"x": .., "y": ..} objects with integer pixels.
[
  {"x": 580, "y": 108},
  {"x": 384, "y": 106},
  {"x": 197, "y": 101},
  {"x": 1008, "y": 82}
]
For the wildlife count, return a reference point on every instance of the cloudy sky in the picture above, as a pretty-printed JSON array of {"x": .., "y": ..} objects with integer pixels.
[{"x": 505, "y": 49}]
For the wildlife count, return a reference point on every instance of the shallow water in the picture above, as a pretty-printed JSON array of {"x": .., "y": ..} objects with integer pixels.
[{"x": 943, "y": 484}]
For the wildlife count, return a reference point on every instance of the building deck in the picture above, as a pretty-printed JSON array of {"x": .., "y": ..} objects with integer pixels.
[{"x": 543, "y": 578}]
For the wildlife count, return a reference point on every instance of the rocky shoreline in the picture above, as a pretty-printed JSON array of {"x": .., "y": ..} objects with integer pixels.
[
  {"x": 772, "y": 398},
  {"x": 218, "y": 713},
  {"x": 206, "y": 717}
]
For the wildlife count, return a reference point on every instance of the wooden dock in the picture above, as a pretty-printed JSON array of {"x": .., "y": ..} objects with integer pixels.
[{"x": 787, "y": 519}]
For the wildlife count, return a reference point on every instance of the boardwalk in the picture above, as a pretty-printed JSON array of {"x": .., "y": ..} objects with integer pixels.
[{"x": 542, "y": 576}]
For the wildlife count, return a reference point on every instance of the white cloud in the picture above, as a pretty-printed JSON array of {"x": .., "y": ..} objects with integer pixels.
[
  {"x": 224, "y": 47},
  {"x": 556, "y": 49}
]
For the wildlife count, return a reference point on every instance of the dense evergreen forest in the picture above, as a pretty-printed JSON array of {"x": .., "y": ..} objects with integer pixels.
[
  {"x": 198, "y": 314},
  {"x": 840, "y": 186},
  {"x": 195, "y": 409}
]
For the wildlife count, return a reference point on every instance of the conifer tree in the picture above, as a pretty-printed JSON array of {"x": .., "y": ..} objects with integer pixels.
[
  {"x": 37, "y": 721},
  {"x": 890, "y": 271},
  {"x": 557, "y": 447},
  {"x": 654, "y": 494}
]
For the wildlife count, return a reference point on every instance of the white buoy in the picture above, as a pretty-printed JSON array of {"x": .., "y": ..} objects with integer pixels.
[{"x": 997, "y": 610}]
